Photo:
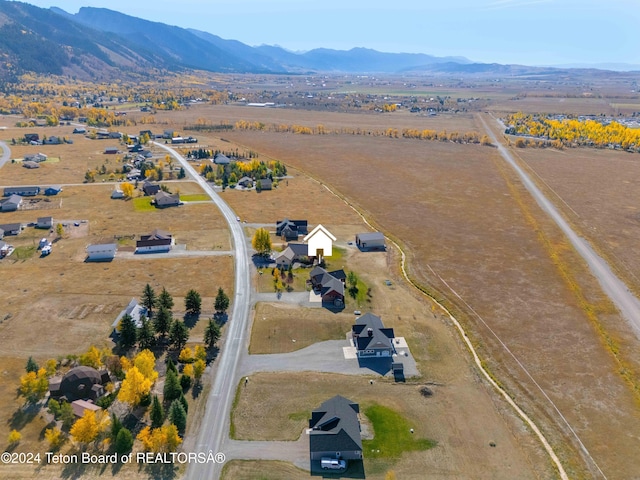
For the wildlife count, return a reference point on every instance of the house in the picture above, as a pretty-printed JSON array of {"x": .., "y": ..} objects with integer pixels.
[
  {"x": 370, "y": 241},
  {"x": 163, "y": 199},
  {"x": 290, "y": 229},
  {"x": 101, "y": 252},
  {"x": 167, "y": 134},
  {"x": 335, "y": 431},
  {"x": 221, "y": 159},
  {"x": 30, "y": 165},
  {"x": 11, "y": 204},
  {"x": 111, "y": 150},
  {"x": 320, "y": 242},
  {"x": 44, "y": 222},
  {"x": 5, "y": 249},
  {"x": 371, "y": 338},
  {"x": 35, "y": 157},
  {"x": 264, "y": 184},
  {"x": 102, "y": 134},
  {"x": 150, "y": 188},
  {"x": 11, "y": 229},
  {"x": 246, "y": 182},
  {"x": 80, "y": 130},
  {"x": 79, "y": 383},
  {"x": 156, "y": 241},
  {"x": 52, "y": 140},
  {"x": 52, "y": 190},
  {"x": 293, "y": 252},
  {"x": 117, "y": 193},
  {"x": 31, "y": 137},
  {"x": 81, "y": 406},
  {"x": 22, "y": 191},
  {"x": 329, "y": 285},
  {"x": 134, "y": 310}
]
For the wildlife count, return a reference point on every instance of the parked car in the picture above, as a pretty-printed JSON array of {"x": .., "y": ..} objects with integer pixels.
[{"x": 333, "y": 464}]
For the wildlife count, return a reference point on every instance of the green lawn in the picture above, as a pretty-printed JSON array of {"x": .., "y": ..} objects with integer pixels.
[
  {"x": 392, "y": 435},
  {"x": 196, "y": 197},
  {"x": 143, "y": 204},
  {"x": 23, "y": 253}
]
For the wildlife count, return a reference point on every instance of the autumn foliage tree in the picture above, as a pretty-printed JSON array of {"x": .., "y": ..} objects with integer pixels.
[
  {"x": 89, "y": 426},
  {"x": 162, "y": 439},
  {"x": 34, "y": 386},
  {"x": 261, "y": 241},
  {"x": 135, "y": 387}
]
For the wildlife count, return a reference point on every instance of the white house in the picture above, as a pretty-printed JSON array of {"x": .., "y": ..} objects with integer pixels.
[
  {"x": 319, "y": 242},
  {"x": 101, "y": 252}
]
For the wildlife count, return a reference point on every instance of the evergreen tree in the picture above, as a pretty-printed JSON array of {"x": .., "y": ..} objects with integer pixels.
[
  {"x": 211, "y": 334},
  {"x": 116, "y": 426},
  {"x": 128, "y": 333},
  {"x": 149, "y": 298},
  {"x": 222, "y": 301},
  {"x": 185, "y": 382},
  {"x": 178, "y": 416},
  {"x": 157, "y": 413},
  {"x": 146, "y": 334},
  {"x": 172, "y": 389},
  {"x": 179, "y": 334},
  {"x": 124, "y": 441},
  {"x": 181, "y": 173},
  {"x": 31, "y": 366},
  {"x": 165, "y": 299},
  {"x": 171, "y": 366},
  {"x": 193, "y": 302},
  {"x": 183, "y": 401},
  {"x": 162, "y": 322}
]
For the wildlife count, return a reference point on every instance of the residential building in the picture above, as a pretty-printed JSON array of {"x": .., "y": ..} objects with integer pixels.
[
  {"x": 10, "y": 204},
  {"x": 44, "y": 222},
  {"x": 133, "y": 309},
  {"x": 371, "y": 338},
  {"x": 164, "y": 199},
  {"x": 25, "y": 191},
  {"x": 370, "y": 241},
  {"x": 335, "y": 430},
  {"x": 53, "y": 190},
  {"x": 157, "y": 241},
  {"x": 103, "y": 252}
]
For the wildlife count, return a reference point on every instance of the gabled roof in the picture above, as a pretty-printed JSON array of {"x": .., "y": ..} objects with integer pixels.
[
  {"x": 319, "y": 230},
  {"x": 157, "y": 234},
  {"x": 11, "y": 227},
  {"x": 335, "y": 426},
  {"x": 135, "y": 310},
  {"x": 13, "y": 199},
  {"x": 371, "y": 236},
  {"x": 221, "y": 159},
  {"x": 371, "y": 333}
]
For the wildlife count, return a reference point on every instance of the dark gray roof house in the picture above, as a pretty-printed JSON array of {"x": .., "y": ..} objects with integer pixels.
[
  {"x": 335, "y": 430},
  {"x": 11, "y": 228},
  {"x": 156, "y": 241},
  {"x": 78, "y": 383},
  {"x": 290, "y": 229},
  {"x": 150, "y": 188},
  {"x": 44, "y": 222},
  {"x": 371, "y": 338},
  {"x": 22, "y": 191},
  {"x": 265, "y": 184}
]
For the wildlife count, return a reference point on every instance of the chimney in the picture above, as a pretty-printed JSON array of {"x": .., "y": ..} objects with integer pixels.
[{"x": 370, "y": 332}]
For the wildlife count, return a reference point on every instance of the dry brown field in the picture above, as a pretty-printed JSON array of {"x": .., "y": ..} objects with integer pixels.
[
  {"x": 456, "y": 209},
  {"x": 262, "y": 470}
]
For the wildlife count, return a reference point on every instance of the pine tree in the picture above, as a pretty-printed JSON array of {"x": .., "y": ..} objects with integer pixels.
[
  {"x": 178, "y": 416},
  {"x": 149, "y": 298},
  {"x": 162, "y": 322},
  {"x": 172, "y": 389},
  {"x": 211, "y": 334},
  {"x": 124, "y": 441},
  {"x": 222, "y": 301},
  {"x": 179, "y": 334},
  {"x": 183, "y": 401},
  {"x": 171, "y": 365},
  {"x": 157, "y": 413},
  {"x": 165, "y": 299},
  {"x": 128, "y": 332},
  {"x": 146, "y": 335},
  {"x": 31, "y": 366},
  {"x": 193, "y": 302},
  {"x": 116, "y": 426}
]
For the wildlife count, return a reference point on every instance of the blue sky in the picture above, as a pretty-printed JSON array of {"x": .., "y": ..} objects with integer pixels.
[{"x": 531, "y": 32}]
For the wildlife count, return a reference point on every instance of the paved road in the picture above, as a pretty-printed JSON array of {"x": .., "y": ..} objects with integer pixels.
[
  {"x": 623, "y": 299},
  {"x": 6, "y": 154},
  {"x": 214, "y": 424}
]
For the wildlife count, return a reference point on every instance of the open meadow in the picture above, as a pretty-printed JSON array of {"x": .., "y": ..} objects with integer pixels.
[{"x": 459, "y": 211}]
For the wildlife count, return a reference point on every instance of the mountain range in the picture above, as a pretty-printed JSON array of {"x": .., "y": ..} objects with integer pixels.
[{"x": 102, "y": 44}]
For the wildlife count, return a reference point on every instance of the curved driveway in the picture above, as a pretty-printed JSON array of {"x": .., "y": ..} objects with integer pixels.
[
  {"x": 215, "y": 421},
  {"x": 615, "y": 288}
]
